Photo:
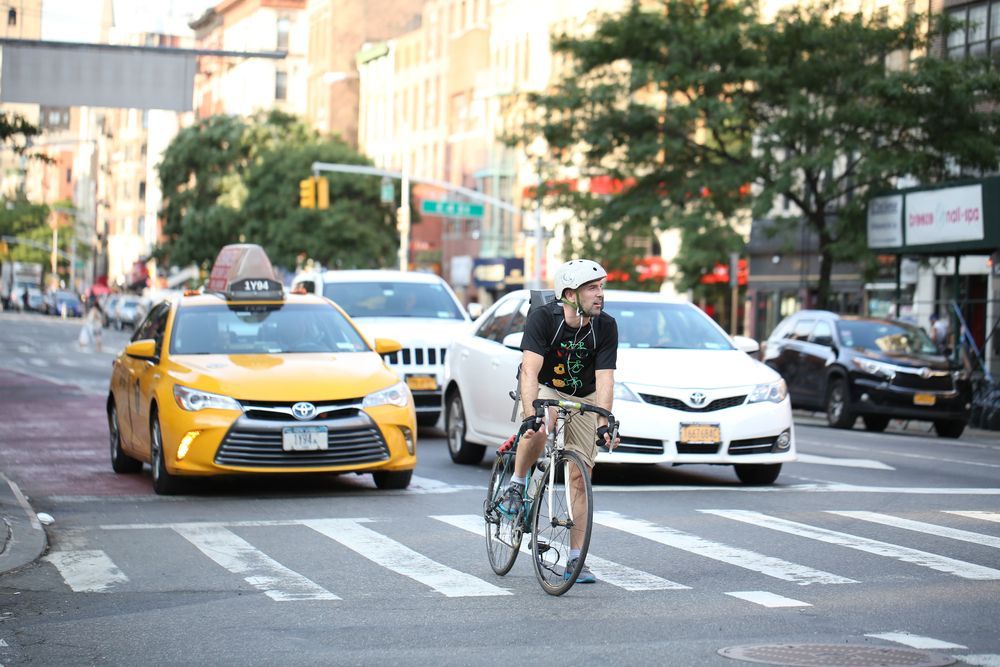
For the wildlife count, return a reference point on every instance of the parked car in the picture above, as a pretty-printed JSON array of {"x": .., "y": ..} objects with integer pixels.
[
  {"x": 108, "y": 309},
  {"x": 418, "y": 309},
  {"x": 55, "y": 302},
  {"x": 245, "y": 379},
  {"x": 36, "y": 300},
  {"x": 685, "y": 392},
  {"x": 128, "y": 312},
  {"x": 877, "y": 369}
]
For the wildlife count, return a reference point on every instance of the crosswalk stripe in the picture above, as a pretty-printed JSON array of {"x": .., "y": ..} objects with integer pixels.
[
  {"x": 904, "y": 554},
  {"x": 766, "y": 599},
  {"x": 985, "y": 516},
  {"x": 607, "y": 571},
  {"x": 258, "y": 569},
  {"x": 401, "y": 559},
  {"x": 914, "y": 641},
  {"x": 751, "y": 560},
  {"x": 87, "y": 571},
  {"x": 922, "y": 527}
]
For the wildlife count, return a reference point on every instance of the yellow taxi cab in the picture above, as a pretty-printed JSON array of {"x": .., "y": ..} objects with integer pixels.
[{"x": 244, "y": 379}]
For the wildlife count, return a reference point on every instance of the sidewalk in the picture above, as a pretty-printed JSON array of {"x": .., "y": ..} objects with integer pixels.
[{"x": 22, "y": 539}]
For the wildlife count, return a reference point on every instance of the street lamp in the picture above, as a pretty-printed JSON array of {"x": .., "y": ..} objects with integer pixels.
[{"x": 538, "y": 149}]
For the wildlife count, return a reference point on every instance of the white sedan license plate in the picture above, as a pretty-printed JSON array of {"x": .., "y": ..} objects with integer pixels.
[
  {"x": 303, "y": 438},
  {"x": 700, "y": 433}
]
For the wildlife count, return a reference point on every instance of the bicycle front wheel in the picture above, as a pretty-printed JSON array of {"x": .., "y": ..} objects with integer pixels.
[
  {"x": 561, "y": 519},
  {"x": 503, "y": 532}
]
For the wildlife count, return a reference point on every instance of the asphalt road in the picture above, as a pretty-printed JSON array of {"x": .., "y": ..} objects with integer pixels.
[{"x": 880, "y": 541}]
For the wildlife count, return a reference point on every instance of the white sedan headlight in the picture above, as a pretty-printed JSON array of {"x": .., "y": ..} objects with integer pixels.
[
  {"x": 775, "y": 392},
  {"x": 623, "y": 393},
  {"x": 398, "y": 395},
  {"x": 193, "y": 400}
]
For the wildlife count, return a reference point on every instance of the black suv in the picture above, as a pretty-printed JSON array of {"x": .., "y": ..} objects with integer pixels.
[{"x": 872, "y": 368}]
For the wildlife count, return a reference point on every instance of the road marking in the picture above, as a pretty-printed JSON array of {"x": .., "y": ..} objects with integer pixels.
[
  {"x": 985, "y": 516},
  {"x": 766, "y": 599},
  {"x": 914, "y": 641},
  {"x": 258, "y": 569},
  {"x": 847, "y": 463},
  {"x": 87, "y": 571},
  {"x": 904, "y": 554},
  {"x": 818, "y": 487},
  {"x": 427, "y": 485},
  {"x": 607, "y": 571},
  {"x": 401, "y": 559},
  {"x": 909, "y": 455},
  {"x": 751, "y": 560},
  {"x": 981, "y": 660},
  {"x": 921, "y": 527}
]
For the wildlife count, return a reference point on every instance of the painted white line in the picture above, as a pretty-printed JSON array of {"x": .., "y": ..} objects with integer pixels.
[
  {"x": 765, "y": 599},
  {"x": 905, "y": 554},
  {"x": 607, "y": 571},
  {"x": 847, "y": 463},
  {"x": 751, "y": 560},
  {"x": 921, "y": 527},
  {"x": 981, "y": 660},
  {"x": 820, "y": 487},
  {"x": 910, "y": 455},
  {"x": 401, "y": 559},
  {"x": 914, "y": 641},
  {"x": 973, "y": 514},
  {"x": 258, "y": 569},
  {"x": 426, "y": 485},
  {"x": 87, "y": 571},
  {"x": 23, "y": 502}
]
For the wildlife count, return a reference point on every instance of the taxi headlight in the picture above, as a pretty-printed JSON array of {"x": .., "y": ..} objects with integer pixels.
[
  {"x": 398, "y": 395},
  {"x": 623, "y": 393},
  {"x": 775, "y": 392},
  {"x": 193, "y": 400}
]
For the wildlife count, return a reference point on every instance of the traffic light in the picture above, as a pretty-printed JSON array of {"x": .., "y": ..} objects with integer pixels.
[
  {"x": 322, "y": 192},
  {"x": 307, "y": 193}
]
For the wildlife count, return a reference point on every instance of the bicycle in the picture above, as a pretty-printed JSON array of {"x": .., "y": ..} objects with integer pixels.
[{"x": 549, "y": 513}]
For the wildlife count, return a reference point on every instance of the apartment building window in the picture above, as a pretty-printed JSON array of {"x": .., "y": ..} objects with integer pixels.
[
  {"x": 980, "y": 35},
  {"x": 281, "y": 85},
  {"x": 283, "y": 24},
  {"x": 54, "y": 118},
  {"x": 142, "y": 189},
  {"x": 12, "y": 17}
]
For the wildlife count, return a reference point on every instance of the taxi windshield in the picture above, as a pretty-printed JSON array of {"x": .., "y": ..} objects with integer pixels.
[
  {"x": 674, "y": 326},
  {"x": 251, "y": 329},
  {"x": 386, "y": 299}
]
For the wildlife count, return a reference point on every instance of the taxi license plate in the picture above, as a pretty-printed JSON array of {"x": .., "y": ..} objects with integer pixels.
[
  {"x": 421, "y": 382},
  {"x": 700, "y": 433},
  {"x": 924, "y": 399},
  {"x": 303, "y": 438}
]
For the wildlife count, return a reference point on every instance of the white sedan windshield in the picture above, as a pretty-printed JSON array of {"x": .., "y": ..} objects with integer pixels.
[
  {"x": 386, "y": 299},
  {"x": 677, "y": 326}
]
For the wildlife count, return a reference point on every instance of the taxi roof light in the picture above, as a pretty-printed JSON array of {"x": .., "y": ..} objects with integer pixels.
[{"x": 243, "y": 271}]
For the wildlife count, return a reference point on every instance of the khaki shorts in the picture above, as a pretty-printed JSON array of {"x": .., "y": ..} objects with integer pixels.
[{"x": 581, "y": 433}]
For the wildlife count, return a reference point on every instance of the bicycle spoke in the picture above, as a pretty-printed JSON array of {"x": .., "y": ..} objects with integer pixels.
[
  {"x": 503, "y": 533},
  {"x": 561, "y": 520}
]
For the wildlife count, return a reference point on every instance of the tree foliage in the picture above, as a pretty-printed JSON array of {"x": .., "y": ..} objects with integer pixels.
[
  {"x": 228, "y": 179},
  {"x": 707, "y": 113},
  {"x": 16, "y": 133}
]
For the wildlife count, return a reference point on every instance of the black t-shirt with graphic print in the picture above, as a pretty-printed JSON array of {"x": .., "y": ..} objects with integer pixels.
[{"x": 571, "y": 355}]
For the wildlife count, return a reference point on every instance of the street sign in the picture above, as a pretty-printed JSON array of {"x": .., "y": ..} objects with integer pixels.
[{"x": 452, "y": 209}]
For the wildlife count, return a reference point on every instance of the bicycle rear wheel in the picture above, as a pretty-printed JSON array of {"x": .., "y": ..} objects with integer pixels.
[
  {"x": 559, "y": 511},
  {"x": 503, "y": 532}
]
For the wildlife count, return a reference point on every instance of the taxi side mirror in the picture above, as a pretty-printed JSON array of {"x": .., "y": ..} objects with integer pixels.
[
  {"x": 142, "y": 349},
  {"x": 387, "y": 345}
]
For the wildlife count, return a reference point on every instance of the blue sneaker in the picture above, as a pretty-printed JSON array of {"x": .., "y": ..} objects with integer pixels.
[
  {"x": 585, "y": 576},
  {"x": 513, "y": 499}
]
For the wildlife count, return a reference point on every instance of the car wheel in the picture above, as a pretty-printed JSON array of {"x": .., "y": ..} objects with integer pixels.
[
  {"x": 164, "y": 484},
  {"x": 757, "y": 474},
  {"x": 428, "y": 418},
  {"x": 121, "y": 462},
  {"x": 949, "y": 428},
  {"x": 460, "y": 449},
  {"x": 392, "y": 479},
  {"x": 875, "y": 423},
  {"x": 838, "y": 405}
]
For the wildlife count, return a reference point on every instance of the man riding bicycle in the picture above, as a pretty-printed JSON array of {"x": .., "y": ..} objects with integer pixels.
[{"x": 569, "y": 351}]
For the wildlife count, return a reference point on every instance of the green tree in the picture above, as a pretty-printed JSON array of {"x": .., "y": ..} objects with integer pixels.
[
  {"x": 16, "y": 133},
  {"x": 357, "y": 231},
  {"x": 692, "y": 102}
]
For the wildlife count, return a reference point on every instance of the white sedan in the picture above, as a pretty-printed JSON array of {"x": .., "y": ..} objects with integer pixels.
[{"x": 685, "y": 392}]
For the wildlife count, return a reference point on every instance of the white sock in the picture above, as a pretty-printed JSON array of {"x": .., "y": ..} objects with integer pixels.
[
  {"x": 523, "y": 481},
  {"x": 574, "y": 553}
]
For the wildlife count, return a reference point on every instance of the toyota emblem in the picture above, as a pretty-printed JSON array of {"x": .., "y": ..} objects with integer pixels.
[
  {"x": 697, "y": 398},
  {"x": 303, "y": 410}
]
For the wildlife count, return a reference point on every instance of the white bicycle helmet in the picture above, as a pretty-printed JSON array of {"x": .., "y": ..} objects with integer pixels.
[{"x": 577, "y": 272}]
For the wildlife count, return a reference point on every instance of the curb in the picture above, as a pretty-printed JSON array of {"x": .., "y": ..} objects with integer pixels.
[{"x": 22, "y": 538}]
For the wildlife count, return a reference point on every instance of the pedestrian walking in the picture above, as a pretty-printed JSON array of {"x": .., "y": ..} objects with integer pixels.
[{"x": 93, "y": 326}]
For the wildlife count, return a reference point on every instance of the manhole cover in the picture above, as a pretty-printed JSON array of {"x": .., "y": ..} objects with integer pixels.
[{"x": 835, "y": 655}]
